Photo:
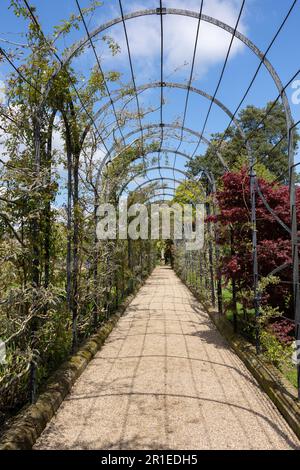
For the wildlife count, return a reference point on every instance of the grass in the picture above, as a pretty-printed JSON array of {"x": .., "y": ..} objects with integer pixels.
[
  {"x": 290, "y": 372},
  {"x": 287, "y": 368}
]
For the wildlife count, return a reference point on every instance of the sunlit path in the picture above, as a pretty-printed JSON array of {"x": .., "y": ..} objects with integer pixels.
[{"x": 166, "y": 379}]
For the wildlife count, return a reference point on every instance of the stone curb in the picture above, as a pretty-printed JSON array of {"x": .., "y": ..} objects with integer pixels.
[
  {"x": 29, "y": 424},
  {"x": 282, "y": 393}
]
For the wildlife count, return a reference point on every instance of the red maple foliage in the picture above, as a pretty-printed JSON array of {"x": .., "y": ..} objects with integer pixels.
[{"x": 274, "y": 243}]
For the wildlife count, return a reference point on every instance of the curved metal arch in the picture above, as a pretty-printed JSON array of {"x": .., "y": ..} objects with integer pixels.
[
  {"x": 169, "y": 188},
  {"x": 152, "y": 85},
  {"x": 154, "y": 168},
  {"x": 147, "y": 200},
  {"x": 157, "y": 126},
  {"x": 166, "y": 150},
  {"x": 176, "y": 152},
  {"x": 73, "y": 50},
  {"x": 153, "y": 180},
  {"x": 159, "y": 195}
]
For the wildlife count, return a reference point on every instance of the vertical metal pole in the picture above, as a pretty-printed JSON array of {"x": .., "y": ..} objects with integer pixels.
[
  {"x": 201, "y": 271},
  {"x": 116, "y": 276},
  {"x": 95, "y": 266},
  {"x": 32, "y": 381},
  {"x": 233, "y": 287},
  {"x": 186, "y": 266},
  {"x": 210, "y": 257},
  {"x": 141, "y": 259},
  {"x": 206, "y": 279},
  {"x": 295, "y": 252},
  {"x": 198, "y": 270},
  {"x": 122, "y": 277},
  {"x": 217, "y": 256},
  {"x": 254, "y": 254},
  {"x": 35, "y": 255},
  {"x": 193, "y": 270}
]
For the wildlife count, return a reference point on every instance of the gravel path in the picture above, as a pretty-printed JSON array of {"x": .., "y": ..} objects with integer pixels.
[{"x": 166, "y": 379}]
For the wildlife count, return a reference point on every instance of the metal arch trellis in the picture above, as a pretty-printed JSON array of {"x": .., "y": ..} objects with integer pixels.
[
  {"x": 161, "y": 12},
  {"x": 203, "y": 170},
  {"x": 281, "y": 89},
  {"x": 191, "y": 74},
  {"x": 291, "y": 154},
  {"x": 156, "y": 126},
  {"x": 222, "y": 73},
  {"x": 162, "y": 84},
  {"x": 105, "y": 161},
  {"x": 253, "y": 188},
  {"x": 73, "y": 50},
  {"x": 285, "y": 136},
  {"x": 216, "y": 291},
  {"x": 201, "y": 137},
  {"x": 171, "y": 85},
  {"x": 233, "y": 32},
  {"x": 45, "y": 92},
  {"x": 142, "y": 173},
  {"x": 172, "y": 151},
  {"x": 100, "y": 68},
  {"x": 208, "y": 175},
  {"x": 81, "y": 44},
  {"x": 147, "y": 86},
  {"x": 218, "y": 23},
  {"x": 132, "y": 73},
  {"x": 154, "y": 180},
  {"x": 183, "y": 86},
  {"x": 213, "y": 190},
  {"x": 160, "y": 198},
  {"x": 211, "y": 20}
]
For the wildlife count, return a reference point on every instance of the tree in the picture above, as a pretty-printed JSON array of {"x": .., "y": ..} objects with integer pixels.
[
  {"x": 262, "y": 140},
  {"x": 274, "y": 249},
  {"x": 42, "y": 248}
]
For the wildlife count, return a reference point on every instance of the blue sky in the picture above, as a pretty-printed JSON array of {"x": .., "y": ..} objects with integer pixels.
[{"x": 260, "y": 21}]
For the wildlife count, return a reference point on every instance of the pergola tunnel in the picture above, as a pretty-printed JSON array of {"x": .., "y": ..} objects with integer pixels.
[{"x": 85, "y": 128}]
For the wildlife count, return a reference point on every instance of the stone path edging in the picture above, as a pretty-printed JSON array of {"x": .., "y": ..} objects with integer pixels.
[
  {"x": 280, "y": 391},
  {"x": 29, "y": 424}
]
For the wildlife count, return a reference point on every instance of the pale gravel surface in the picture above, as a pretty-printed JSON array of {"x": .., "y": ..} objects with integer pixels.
[{"x": 166, "y": 379}]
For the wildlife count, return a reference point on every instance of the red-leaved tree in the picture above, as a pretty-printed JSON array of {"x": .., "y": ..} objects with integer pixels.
[{"x": 274, "y": 244}]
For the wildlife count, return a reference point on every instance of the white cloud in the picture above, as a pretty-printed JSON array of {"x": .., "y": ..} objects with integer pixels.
[{"x": 179, "y": 38}]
